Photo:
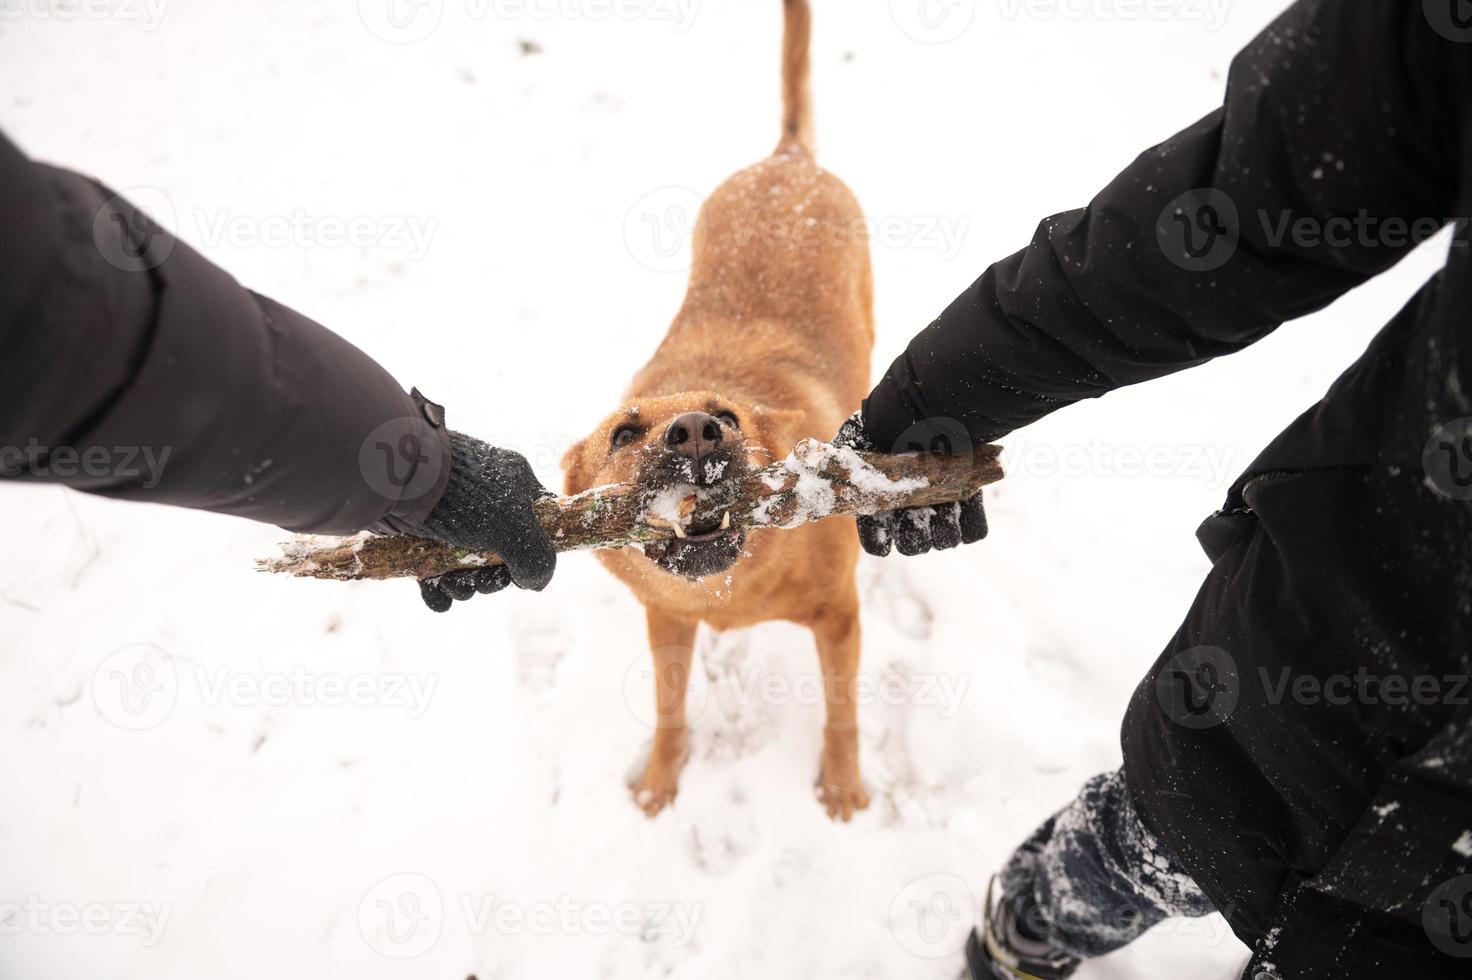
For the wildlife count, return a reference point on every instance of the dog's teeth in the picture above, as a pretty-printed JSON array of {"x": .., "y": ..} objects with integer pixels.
[
  {"x": 726, "y": 521},
  {"x": 679, "y": 531}
]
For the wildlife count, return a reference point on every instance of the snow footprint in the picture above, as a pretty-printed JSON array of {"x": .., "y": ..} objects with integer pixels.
[
  {"x": 735, "y": 723},
  {"x": 540, "y": 645},
  {"x": 889, "y": 588}
]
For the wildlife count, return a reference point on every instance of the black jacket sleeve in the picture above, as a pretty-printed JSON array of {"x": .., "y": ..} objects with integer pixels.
[
  {"x": 132, "y": 367},
  {"x": 1346, "y": 113}
]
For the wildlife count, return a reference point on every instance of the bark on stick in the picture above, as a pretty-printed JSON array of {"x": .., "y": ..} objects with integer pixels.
[{"x": 815, "y": 481}]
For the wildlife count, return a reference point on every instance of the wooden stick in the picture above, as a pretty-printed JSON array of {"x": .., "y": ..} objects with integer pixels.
[{"x": 815, "y": 481}]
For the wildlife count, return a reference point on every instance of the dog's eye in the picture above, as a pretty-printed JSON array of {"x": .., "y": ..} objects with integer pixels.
[
  {"x": 730, "y": 419},
  {"x": 624, "y": 435}
]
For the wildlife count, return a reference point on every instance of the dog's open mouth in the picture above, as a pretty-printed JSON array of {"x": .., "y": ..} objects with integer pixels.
[
  {"x": 697, "y": 552},
  {"x": 705, "y": 542}
]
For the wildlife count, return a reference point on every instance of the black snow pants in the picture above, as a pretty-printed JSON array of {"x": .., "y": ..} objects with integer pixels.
[
  {"x": 1097, "y": 877},
  {"x": 1298, "y": 756}
]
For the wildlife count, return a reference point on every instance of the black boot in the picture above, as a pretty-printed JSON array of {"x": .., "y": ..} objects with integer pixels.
[{"x": 1007, "y": 949}]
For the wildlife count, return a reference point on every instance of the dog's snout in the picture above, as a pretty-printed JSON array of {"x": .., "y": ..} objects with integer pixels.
[{"x": 694, "y": 434}]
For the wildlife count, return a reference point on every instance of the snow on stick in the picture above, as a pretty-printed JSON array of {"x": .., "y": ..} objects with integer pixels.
[{"x": 816, "y": 480}]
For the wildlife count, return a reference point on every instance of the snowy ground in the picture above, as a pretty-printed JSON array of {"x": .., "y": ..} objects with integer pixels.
[{"x": 213, "y": 773}]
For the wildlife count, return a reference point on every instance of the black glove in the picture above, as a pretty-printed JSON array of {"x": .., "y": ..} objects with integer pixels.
[
  {"x": 487, "y": 506},
  {"x": 915, "y": 530}
]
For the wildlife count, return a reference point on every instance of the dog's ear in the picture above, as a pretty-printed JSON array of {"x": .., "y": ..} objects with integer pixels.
[
  {"x": 574, "y": 478},
  {"x": 781, "y": 427}
]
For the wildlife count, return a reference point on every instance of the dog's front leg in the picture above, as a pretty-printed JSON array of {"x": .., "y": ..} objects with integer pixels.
[
  {"x": 671, "y": 641},
  {"x": 840, "y": 787}
]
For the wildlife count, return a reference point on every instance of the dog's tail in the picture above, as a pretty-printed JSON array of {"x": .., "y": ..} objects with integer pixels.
[{"x": 797, "y": 106}]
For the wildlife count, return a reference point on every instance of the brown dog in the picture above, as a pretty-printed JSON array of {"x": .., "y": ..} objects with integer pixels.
[{"x": 771, "y": 345}]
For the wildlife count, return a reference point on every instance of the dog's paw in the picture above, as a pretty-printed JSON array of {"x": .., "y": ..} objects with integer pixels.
[
  {"x": 843, "y": 799},
  {"x": 654, "y": 791}
]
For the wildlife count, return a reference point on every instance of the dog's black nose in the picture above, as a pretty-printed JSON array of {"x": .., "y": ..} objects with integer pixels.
[{"x": 694, "y": 434}]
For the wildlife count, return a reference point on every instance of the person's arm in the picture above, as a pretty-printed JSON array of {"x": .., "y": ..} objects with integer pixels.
[
  {"x": 1341, "y": 109},
  {"x": 165, "y": 380},
  {"x": 132, "y": 367},
  {"x": 1344, "y": 118}
]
